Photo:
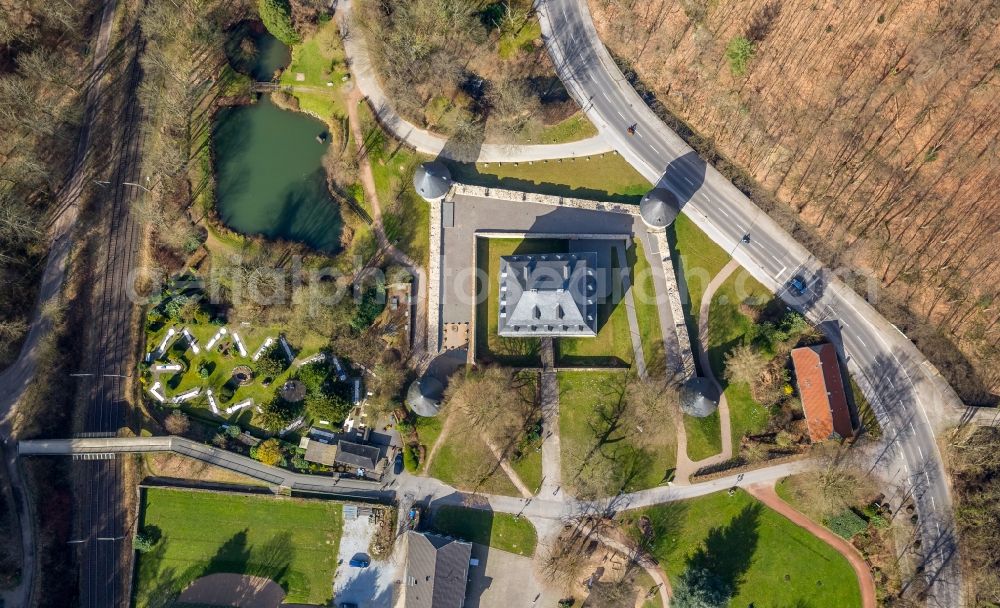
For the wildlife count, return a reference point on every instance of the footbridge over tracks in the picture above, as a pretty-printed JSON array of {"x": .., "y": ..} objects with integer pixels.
[{"x": 107, "y": 447}]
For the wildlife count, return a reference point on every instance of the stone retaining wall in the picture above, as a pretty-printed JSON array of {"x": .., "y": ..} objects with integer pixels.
[{"x": 434, "y": 280}]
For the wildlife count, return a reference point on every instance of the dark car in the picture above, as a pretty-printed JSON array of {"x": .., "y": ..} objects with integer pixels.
[
  {"x": 797, "y": 285},
  {"x": 397, "y": 465},
  {"x": 359, "y": 562},
  {"x": 348, "y": 605}
]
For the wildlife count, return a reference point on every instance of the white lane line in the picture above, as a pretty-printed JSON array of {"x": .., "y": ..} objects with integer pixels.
[
  {"x": 920, "y": 451},
  {"x": 937, "y": 524},
  {"x": 653, "y": 149},
  {"x": 775, "y": 258},
  {"x": 688, "y": 181},
  {"x": 862, "y": 343},
  {"x": 932, "y": 503},
  {"x": 620, "y": 114},
  {"x": 780, "y": 272},
  {"x": 912, "y": 430},
  {"x": 724, "y": 212},
  {"x": 889, "y": 380},
  {"x": 907, "y": 467},
  {"x": 927, "y": 477}
]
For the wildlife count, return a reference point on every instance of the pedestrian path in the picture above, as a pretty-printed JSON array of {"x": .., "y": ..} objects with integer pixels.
[
  {"x": 551, "y": 488},
  {"x": 685, "y": 466}
]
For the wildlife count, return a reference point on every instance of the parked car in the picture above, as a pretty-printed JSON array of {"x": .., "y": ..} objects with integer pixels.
[
  {"x": 359, "y": 562},
  {"x": 397, "y": 464},
  {"x": 797, "y": 285},
  {"x": 348, "y": 605}
]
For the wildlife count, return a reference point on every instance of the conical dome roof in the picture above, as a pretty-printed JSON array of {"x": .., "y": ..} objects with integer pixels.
[
  {"x": 424, "y": 396},
  {"x": 699, "y": 397},
  {"x": 432, "y": 180},
  {"x": 659, "y": 208}
]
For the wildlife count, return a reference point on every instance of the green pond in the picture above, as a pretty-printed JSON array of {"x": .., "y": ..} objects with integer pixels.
[{"x": 269, "y": 173}]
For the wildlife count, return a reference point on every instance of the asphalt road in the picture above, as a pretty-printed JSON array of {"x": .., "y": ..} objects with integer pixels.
[{"x": 912, "y": 400}]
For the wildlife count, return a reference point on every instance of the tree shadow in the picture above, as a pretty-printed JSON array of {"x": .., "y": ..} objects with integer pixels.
[
  {"x": 232, "y": 556},
  {"x": 728, "y": 550}
]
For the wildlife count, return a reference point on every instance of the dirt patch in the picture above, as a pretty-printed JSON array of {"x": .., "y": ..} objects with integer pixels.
[
  {"x": 227, "y": 589},
  {"x": 181, "y": 467}
]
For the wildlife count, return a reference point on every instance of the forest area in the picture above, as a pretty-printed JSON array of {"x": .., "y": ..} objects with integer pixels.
[
  {"x": 43, "y": 71},
  {"x": 469, "y": 69},
  {"x": 869, "y": 130},
  {"x": 974, "y": 462}
]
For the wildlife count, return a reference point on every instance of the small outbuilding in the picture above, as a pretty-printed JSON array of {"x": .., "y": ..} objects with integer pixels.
[
  {"x": 659, "y": 208},
  {"x": 424, "y": 396},
  {"x": 432, "y": 180},
  {"x": 319, "y": 452}
]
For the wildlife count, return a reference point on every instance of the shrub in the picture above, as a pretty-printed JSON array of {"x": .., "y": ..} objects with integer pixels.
[
  {"x": 177, "y": 423},
  {"x": 203, "y": 371},
  {"x": 277, "y": 414},
  {"x": 369, "y": 308},
  {"x": 411, "y": 461},
  {"x": 846, "y": 524},
  {"x": 233, "y": 430},
  {"x": 144, "y": 540},
  {"x": 272, "y": 362},
  {"x": 739, "y": 52},
  {"x": 268, "y": 452},
  {"x": 276, "y": 15}
]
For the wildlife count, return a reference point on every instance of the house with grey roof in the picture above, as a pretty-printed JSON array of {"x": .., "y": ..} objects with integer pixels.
[
  {"x": 357, "y": 455},
  {"x": 436, "y": 571},
  {"x": 549, "y": 294}
]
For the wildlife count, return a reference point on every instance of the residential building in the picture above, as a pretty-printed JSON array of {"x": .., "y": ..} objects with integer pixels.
[
  {"x": 436, "y": 571},
  {"x": 821, "y": 388}
]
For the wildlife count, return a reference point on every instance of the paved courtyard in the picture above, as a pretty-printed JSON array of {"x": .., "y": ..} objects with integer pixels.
[
  {"x": 502, "y": 580},
  {"x": 371, "y": 587}
]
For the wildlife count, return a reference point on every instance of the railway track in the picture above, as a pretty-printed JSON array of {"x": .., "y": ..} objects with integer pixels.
[{"x": 100, "y": 512}]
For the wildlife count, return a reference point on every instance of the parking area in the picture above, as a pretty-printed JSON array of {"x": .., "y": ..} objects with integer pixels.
[
  {"x": 369, "y": 587},
  {"x": 502, "y": 580}
]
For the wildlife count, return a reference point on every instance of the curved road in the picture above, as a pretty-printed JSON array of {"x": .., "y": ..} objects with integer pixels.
[
  {"x": 911, "y": 399},
  {"x": 431, "y": 143}
]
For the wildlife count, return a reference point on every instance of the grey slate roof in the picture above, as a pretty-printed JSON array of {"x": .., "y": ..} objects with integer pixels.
[
  {"x": 699, "y": 398},
  {"x": 432, "y": 180},
  {"x": 437, "y": 569},
  {"x": 659, "y": 208},
  {"x": 548, "y": 295},
  {"x": 424, "y": 396},
  {"x": 357, "y": 455}
]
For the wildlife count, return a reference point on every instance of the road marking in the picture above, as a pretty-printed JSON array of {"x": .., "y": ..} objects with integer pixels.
[
  {"x": 936, "y": 524},
  {"x": 927, "y": 477},
  {"x": 889, "y": 380},
  {"x": 775, "y": 258},
  {"x": 780, "y": 272},
  {"x": 688, "y": 181},
  {"x": 862, "y": 343},
  {"x": 912, "y": 430},
  {"x": 920, "y": 451},
  {"x": 653, "y": 149},
  {"x": 724, "y": 212},
  {"x": 620, "y": 114},
  {"x": 934, "y": 506}
]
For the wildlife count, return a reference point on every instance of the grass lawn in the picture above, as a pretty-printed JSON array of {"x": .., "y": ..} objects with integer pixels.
[
  {"x": 574, "y": 128},
  {"x": 498, "y": 530},
  {"x": 727, "y": 326},
  {"x": 221, "y": 365},
  {"x": 464, "y": 461},
  {"x": 700, "y": 259},
  {"x": 613, "y": 345},
  {"x": 604, "y": 177},
  {"x": 428, "y": 430},
  {"x": 646, "y": 310},
  {"x": 768, "y": 560},
  {"x": 291, "y": 541},
  {"x": 320, "y": 58},
  {"x": 405, "y": 216},
  {"x": 579, "y": 393},
  {"x": 529, "y": 468},
  {"x": 489, "y": 345},
  {"x": 704, "y": 436}
]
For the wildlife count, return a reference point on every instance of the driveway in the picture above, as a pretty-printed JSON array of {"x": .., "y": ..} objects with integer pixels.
[
  {"x": 502, "y": 580},
  {"x": 371, "y": 587}
]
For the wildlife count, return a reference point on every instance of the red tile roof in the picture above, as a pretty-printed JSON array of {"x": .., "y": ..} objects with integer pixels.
[{"x": 821, "y": 388}]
